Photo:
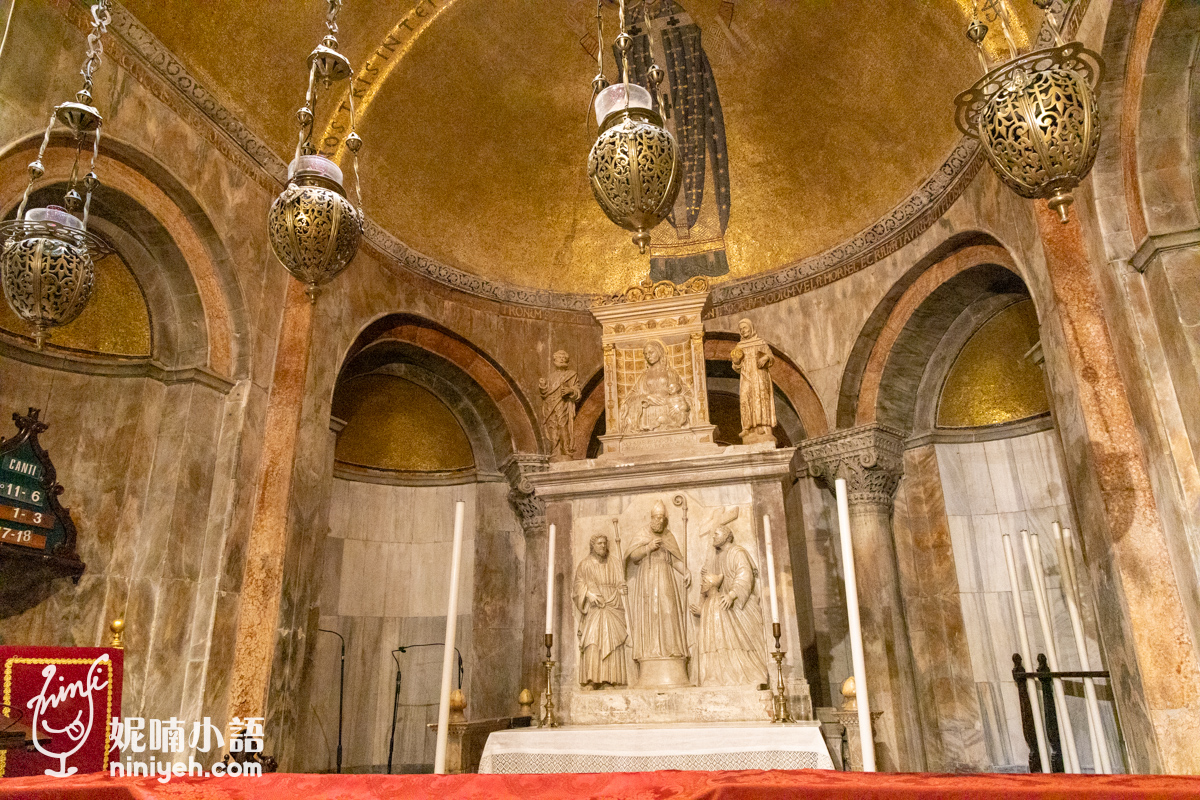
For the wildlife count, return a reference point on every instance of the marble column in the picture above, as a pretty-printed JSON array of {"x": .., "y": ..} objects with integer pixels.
[
  {"x": 1150, "y": 647},
  {"x": 258, "y": 617},
  {"x": 531, "y": 513},
  {"x": 870, "y": 459}
]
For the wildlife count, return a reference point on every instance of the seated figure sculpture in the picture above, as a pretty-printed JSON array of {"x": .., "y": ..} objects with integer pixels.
[{"x": 660, "y": 400}]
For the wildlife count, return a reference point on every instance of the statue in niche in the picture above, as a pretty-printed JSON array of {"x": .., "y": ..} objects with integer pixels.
[
  {"x": 660, "y": 400},
  {"x": 658, "y": 603},
  {"x": 730, "y": 647},
  {"x": 559, "y": 395},
  {"x": 752, "y": 359},
  {"x": 599, "y": 594}
]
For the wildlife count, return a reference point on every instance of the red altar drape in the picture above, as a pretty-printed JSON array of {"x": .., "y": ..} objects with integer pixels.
[{"x": 807, "y": 784}]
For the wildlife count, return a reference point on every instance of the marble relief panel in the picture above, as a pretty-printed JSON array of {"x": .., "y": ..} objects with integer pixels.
[
  {"x": 705, "y": 508},
  {"x": 990, "y": 489}
]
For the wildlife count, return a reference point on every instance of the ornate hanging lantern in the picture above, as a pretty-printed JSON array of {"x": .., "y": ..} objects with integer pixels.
[
  {"x": 314, "y": 229},
  {"x": 634, "y": 164},
  {"x": 47, "y": 262},
  {"x": 1035, "y": 114}
]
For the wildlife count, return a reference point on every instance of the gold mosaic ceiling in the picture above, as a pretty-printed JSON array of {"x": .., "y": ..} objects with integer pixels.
[{"x": 835, "y": 111}]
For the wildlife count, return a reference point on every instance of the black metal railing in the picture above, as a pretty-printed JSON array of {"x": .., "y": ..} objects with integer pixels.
[{"x": 1050, "y": 710}]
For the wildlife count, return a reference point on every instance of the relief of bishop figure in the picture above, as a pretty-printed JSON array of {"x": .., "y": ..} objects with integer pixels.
[{"x": 658, "y": 599}]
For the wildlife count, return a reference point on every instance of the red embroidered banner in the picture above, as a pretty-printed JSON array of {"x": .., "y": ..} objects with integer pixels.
[{"x": 68, "y": 697}]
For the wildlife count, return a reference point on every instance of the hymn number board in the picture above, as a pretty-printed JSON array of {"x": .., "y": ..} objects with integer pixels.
[
  {"x": 30, "y": 515},
  {"x": 37, "y": 535},
  {"x": 25, "y": 516}
]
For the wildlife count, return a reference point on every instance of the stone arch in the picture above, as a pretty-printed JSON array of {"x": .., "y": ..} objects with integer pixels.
[
  {"x": 153, "y": 215},
  {"x": 860, "y": 391},
  {"x": 479, "y": 417},
  {"x": 588, "y": 414},
  {"x": 1164, "y": 140},
  {"x": 1144, "y": 178},
  {"x": 509, "y": 420}
]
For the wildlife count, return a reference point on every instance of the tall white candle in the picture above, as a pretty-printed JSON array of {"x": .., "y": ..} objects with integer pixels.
[
  {"x": 439, "y": 757},
  {"x": 1033, "y": 555},
  {"x": 866, "y": 735},
  {"x": 1035, "y": 697},
  {"x": 550, "y": 584},
  {"x": 1105, "y": 761},
  {"x": 771, "y": 570},
  {"x": 1095, "y": 728}
]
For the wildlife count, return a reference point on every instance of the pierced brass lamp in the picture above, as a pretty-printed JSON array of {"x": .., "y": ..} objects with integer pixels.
[
  {"x": 1035, "y": 113},
  {"x": 314, "y": 229},
  {"x": 47, "y": 263},
  {"x": 634, "y": 164}
]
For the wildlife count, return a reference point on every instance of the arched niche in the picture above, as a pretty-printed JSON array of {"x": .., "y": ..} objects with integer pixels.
[
  {"x": 997, "y": 470},
  {"x": 149, "y": 446},
  {"x": 411, "y": 385},
  {"x": 166, "y": 239}
]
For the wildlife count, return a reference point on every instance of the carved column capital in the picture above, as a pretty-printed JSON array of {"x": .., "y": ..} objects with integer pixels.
[
  {"x": 870, "y": 459},
  {"x": 530, "y": 509}
]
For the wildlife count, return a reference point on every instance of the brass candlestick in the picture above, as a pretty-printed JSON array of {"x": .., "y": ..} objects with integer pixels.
[
  {"x": 549, "y": 720},
  {"x": 780, "y": 711}
]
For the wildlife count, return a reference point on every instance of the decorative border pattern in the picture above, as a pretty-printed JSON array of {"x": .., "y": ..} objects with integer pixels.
[{"x": 900, "y": 226}]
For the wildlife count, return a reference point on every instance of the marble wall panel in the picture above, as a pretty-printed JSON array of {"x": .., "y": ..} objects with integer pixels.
[
  {"x": 991, "y": 489},
  {"x": 386, "y": 571}
]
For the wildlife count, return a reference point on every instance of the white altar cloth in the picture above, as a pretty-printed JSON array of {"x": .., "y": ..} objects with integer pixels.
[{"x": 642, "y": 748}]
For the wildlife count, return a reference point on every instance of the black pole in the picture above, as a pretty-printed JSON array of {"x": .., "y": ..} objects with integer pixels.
[
  {"x": 1053, "y": 742},
  {"x": 341, "y": 695},
  {"x": 395, "y": 703},
  {"x": 1027, "y": 722},
  {"x": 396, "y": 696}
]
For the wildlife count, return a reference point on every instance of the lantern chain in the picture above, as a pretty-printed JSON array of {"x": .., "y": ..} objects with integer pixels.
[{"x": 101, "y": 17}]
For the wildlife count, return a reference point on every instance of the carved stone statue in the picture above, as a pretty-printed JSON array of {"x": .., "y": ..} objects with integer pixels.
[
  {"x": 560, "y": 393},
  {"x": 599, "y": 594},
  {"x": 660, "y": 400},
  {"x": 752, "y": 359},
  {"x": 730, "y": 645},
  {"x": 658, "y": 604}
]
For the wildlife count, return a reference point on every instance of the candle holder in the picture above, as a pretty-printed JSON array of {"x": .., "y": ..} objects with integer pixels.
[
  {"x": 549, "y": 720},
  {"x": 780, "y": 710}
]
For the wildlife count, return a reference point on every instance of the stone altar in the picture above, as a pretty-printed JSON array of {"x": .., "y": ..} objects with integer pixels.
[{"x": 661, "y": 496}]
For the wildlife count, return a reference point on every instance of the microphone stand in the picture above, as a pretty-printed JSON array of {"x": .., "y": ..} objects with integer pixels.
[
  {"x": 341, "y": 695},
  {"x": 396, "y": 696}
]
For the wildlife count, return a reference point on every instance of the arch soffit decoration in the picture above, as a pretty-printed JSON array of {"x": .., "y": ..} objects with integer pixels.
[
  {"x": 139, "y": 177},
  {"x": 523, "y": 435},
  {"x": 858, "y": 404}
]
